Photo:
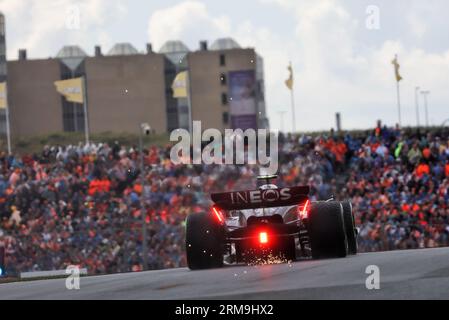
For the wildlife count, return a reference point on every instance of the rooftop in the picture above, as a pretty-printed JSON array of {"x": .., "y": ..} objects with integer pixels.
[{"x": 122, "y": 49}]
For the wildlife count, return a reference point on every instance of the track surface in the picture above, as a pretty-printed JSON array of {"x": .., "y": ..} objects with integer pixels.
[{"x": 418, "y": 274}]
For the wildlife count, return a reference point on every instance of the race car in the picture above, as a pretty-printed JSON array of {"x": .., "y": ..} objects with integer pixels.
[{"x": 253, "y": 225}]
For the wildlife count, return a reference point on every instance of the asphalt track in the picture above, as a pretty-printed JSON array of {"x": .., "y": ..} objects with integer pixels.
[{"x": 417, "y": 274}]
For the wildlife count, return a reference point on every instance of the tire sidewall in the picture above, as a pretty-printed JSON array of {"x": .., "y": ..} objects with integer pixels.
[
  {"x": 327, "y": 230},
  {"x": 349, "y": 220},
  {"x": 204, "y": 242}
]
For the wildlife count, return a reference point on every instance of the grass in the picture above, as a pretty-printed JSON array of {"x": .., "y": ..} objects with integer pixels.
[{"x": 31, "y": 145}]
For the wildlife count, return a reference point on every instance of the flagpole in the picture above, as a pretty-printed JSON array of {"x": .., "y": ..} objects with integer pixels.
[
  {"x": 281, "y": 114},
  {"x": 399, "y": 104},
  {"x": 8, "y": 126},
  {"x": 292, "y": 93},
  {"x": 74, "y": 109},
  {"x": 189, "y": 103},
  {"x": 418, "y": 122},
  {"x": 86, "y": 120},
  {"x": 293, "y": 111},
  {"x": 426, "y": 106},
  {"x": 398, "y": 79}
]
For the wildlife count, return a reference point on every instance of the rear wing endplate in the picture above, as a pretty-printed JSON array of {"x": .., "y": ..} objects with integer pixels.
[{"x": 243, "y": 200}]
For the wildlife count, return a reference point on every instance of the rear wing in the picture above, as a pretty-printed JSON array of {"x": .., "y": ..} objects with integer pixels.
[{"x": 243, "y": 200}]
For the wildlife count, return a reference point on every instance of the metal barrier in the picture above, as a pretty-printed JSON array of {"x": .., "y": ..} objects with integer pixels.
[{"x": 48, "y": 274}]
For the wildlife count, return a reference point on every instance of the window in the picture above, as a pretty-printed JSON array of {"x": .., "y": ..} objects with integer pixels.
[
  {"x": 225, "y": 118},
  {"x": 223, "y": 79},
  {"x": 222, "y": 60},
  {"x": 72, "y": 116},
  {"x": 224, "y": 99},
  {"x": 2, "y": 122},
  {"x": 72, "y": 113}
]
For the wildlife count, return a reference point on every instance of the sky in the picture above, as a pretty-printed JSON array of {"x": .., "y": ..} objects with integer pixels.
[{"x": 341, "y": 50}]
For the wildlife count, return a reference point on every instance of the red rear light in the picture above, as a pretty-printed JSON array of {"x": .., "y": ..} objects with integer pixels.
[
  {"x": 304, "y": 213},
  {"x": 218, "y": 215},
  {"x": 263, "y": 238}
]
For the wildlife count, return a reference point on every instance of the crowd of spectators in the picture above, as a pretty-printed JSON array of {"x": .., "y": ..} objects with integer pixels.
[{"x": 85, "y": 205}]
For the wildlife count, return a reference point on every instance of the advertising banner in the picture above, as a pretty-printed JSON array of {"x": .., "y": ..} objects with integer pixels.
[{"x": 242, "y": 90}]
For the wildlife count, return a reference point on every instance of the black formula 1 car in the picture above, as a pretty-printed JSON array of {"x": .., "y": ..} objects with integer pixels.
[{"x": 250, "y": 226}]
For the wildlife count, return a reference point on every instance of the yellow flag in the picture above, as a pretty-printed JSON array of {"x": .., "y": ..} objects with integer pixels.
[
  {"x": 2, "y": 95},
  {"x": 289, "y": 82},
  {"x": 396, "y": 68},
  {"x": 71, "y": 89},
  {"x": 180, "y": 85}
]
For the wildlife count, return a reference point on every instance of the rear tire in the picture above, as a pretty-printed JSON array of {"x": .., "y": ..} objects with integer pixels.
[
  {"x": 327, "y": 230},
  {"x": 351, "y": 232},
  {"x": 204, "y": 242}
]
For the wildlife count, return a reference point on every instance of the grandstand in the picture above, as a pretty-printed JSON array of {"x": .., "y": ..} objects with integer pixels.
[{"x": 81, "y": 204}]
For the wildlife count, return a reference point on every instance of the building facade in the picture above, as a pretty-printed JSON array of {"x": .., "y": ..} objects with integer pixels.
[
  {"x": 124, "y": 91},
  {"x": 35, "y": 108},
  {"x": 126, "y": 87}
]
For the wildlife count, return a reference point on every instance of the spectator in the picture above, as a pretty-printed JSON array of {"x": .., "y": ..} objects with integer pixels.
[{"x": 82, "y": 204}]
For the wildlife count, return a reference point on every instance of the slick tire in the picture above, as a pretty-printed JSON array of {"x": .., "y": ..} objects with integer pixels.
[
  {"x": 204, "y": 242},
  {"x": 351, "y": 231},
  {"x": 326, "y": 230}
]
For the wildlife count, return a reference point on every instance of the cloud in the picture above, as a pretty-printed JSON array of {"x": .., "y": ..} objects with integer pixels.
[
  {"x": 336, "y": 69},
  {"x": 336, "y": 72},
  {"x": 417, "y": 26},
  {"x": 44, "y": 26},
  {"x": 320, "y": 47},
  {"x": 340, "y": 66},
  {"x": 186, "y": 21},
  {"x": 191, "y": 21}
]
